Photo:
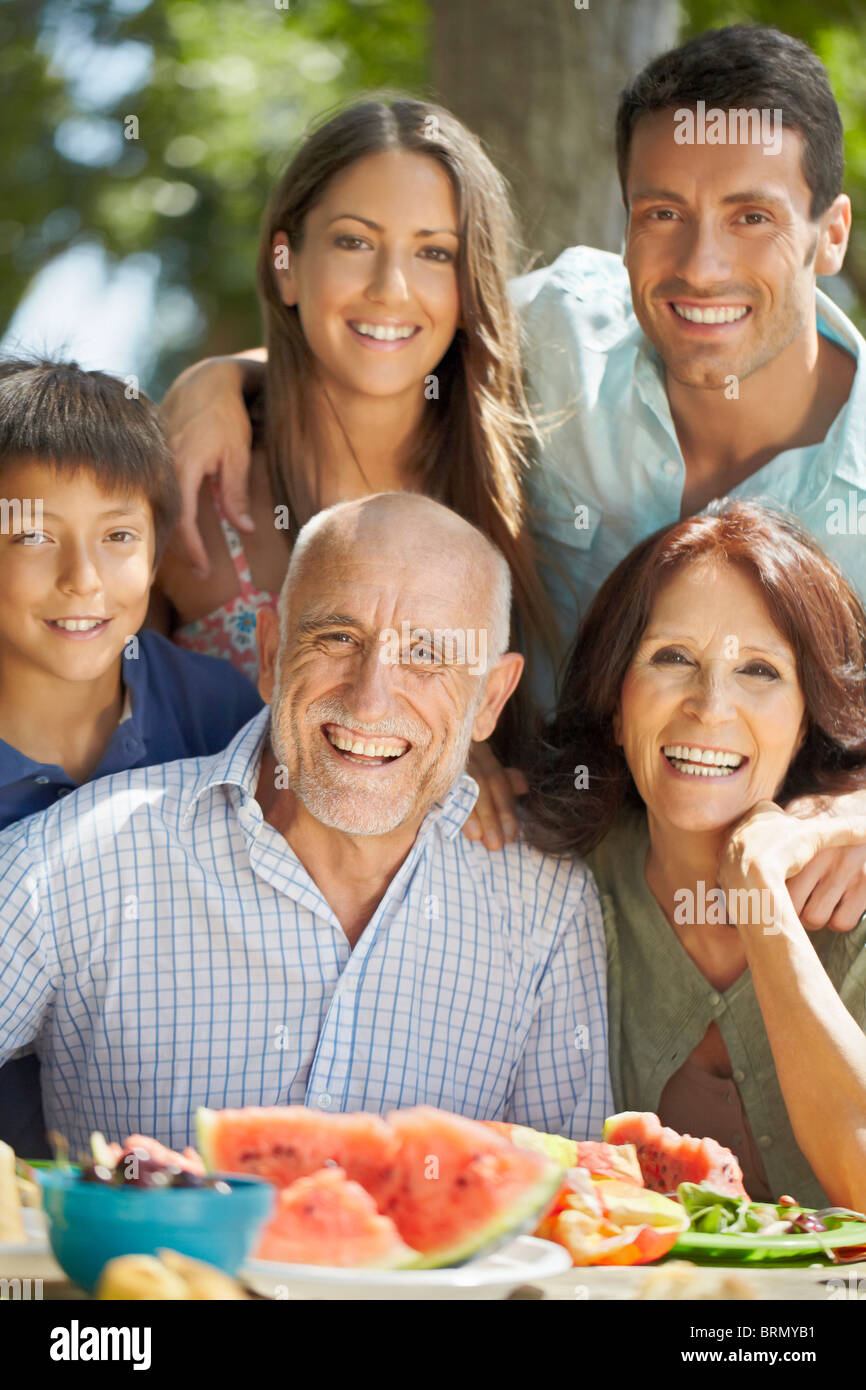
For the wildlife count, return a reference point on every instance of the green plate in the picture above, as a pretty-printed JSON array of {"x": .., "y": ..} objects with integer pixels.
[{"x": 751, "y": 1248}]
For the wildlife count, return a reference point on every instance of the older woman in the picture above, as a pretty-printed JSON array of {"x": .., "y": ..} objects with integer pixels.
[{"x": 720, "y": 673}]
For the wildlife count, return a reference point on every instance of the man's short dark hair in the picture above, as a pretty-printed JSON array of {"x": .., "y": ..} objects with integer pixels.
[
  {"x": 57, "y": 413},
  {"x": 744, "y": 67}
]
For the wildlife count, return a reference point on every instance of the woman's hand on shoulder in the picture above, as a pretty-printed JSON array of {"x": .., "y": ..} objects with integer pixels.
[
  {"x": 209, "y": 433},
  {"x": 494, "y": 818},
  {"x": 816, "y": 850}
]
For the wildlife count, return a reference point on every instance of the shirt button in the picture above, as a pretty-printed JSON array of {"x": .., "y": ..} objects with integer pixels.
[
  {"x": 671, "y": 468},
  {"x": 715, "y": 999},
  {"x": 737, "y": 1138},
  {"x": 730, "y": 1097},
  {"x": 323, "y": 1100},
  {"x": 765, "y": 1141},
  {"x": 63, "y": 791},
  {"x": 739, "y": 1076},
  {"x": 42, "y": 781}
]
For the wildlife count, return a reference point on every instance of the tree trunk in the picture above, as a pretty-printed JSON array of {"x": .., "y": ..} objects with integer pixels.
[{"x": 538, "y": 81}]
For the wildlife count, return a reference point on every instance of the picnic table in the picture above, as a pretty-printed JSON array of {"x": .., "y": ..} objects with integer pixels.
[{"x": 593, "y": 1284}]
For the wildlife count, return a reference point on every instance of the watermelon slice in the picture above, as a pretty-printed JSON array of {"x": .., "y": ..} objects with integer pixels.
[
  {"x": 667, "y": 1158},
  {"x": 326, "y": 1219},
  {"x": 451, "y": 1186},
  {"x": 285, "y": 1142},
  {"x": 605, "y": 1160},
  {"x": 458, "y": 1188}
]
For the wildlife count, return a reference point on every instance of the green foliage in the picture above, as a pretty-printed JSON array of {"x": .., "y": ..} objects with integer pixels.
[
  {"x": 227, "y": 89},
  {"x": 232, "y": 86},
  {"x": 836, "y": 30}
]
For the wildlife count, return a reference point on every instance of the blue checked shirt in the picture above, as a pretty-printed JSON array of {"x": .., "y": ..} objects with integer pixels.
[{"x": 165, "y": 949}]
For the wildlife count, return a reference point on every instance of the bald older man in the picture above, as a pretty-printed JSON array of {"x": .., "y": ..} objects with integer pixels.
[{"x": 298, "y": 918}]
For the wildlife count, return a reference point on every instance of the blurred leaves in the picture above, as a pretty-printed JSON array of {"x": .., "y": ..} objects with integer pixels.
[
  {"x": 158, "y": 128},
  {"x": 161, "y": 128}
]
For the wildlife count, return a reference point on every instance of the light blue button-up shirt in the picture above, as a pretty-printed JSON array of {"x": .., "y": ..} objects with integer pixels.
[
  {"x": 166, "y": 949},
  {"x": 611, "y": 471}
]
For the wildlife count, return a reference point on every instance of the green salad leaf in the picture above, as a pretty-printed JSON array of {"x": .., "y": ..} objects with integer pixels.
[{"x": 717, "y": 1213}]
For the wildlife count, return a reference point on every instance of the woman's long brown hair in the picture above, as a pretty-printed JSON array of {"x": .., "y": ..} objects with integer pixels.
[{"x": 471, "y": 448}]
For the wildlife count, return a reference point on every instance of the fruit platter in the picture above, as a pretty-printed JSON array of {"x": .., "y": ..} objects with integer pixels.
[
  {"x": 646, "y": 1193},
  {"x": 284, "y": 1202}
]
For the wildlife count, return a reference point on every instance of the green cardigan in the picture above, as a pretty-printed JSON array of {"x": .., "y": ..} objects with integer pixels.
[{"x": 660, "y": 1006}]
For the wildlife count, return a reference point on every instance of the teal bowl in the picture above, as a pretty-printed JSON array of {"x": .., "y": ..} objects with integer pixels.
[{"x": 90, "y": 1223}]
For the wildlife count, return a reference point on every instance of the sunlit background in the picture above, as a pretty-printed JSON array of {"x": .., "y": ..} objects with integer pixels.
[{"x": 139, "y": 141}]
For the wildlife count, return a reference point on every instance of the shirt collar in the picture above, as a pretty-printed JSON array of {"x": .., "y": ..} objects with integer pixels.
[
  {"x": 238, "y": 766},
  {"x": 133, "y": 670},
  {"x": 453, "y": 809},
  {"x": 841, "y": 451},
  {"x": 127, "y": 708},
  {"x": 16, "y": 766},
  {"x": 649, "y": 376},
  {"x": 843, "y": 446}
]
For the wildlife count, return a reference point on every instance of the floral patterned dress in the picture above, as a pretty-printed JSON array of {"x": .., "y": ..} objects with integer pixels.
[{"x": 230, "y": 631}]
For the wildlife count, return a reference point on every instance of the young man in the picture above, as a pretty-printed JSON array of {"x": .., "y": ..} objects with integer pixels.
[
  {"x": 705, "y": 362},
  {"x": 89, "y": 497},
  {"x": 299, "y": 917}
]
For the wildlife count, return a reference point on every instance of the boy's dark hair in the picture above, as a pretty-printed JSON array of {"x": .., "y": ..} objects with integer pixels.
[
  {"x": 57, "y": 413},
  {"x": 744, "y": 66}
]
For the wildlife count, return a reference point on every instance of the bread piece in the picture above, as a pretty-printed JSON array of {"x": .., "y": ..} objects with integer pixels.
[{"x": 11, "y": 1226}]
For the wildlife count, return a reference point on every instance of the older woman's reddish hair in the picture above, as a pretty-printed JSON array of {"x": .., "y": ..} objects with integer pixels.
[{"x": 812, "y": 605}]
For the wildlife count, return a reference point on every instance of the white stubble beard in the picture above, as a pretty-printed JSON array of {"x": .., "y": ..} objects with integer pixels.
[{"x": 337, "y": 797}]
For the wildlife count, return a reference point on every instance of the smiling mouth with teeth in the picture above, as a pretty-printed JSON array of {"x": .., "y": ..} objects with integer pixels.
[
  {"x": 370, "y": 751},
  {"x": 76, "y": 624},
  {"x": 711, "y": 313},
  {"x": 703, "y": 762},
  {"x": 383, "y": 332}
]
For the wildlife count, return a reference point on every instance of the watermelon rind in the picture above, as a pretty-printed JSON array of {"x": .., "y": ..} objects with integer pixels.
[
  {"x": 614, "y": 1123},
  {"x": 410, "y": 1261},
  {"x": 204, "y": 1125},
  {"x": 563, "y": 1151},
  {"x": 522, "y": 1215}
]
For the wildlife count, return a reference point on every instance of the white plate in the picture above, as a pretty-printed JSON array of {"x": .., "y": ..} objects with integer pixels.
[{"x": 522, "y": 1262}]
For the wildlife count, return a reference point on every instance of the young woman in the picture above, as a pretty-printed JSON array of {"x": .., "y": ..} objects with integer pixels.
[
  {"x": 719, "y": 675},
  {"x": 392, "y": 362}
]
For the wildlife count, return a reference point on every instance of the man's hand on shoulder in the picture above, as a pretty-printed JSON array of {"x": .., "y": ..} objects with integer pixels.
[{"x": 830, "y": 891}]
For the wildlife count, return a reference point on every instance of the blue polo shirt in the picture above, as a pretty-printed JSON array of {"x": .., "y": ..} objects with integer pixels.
[{"x": 180, "y": 705}]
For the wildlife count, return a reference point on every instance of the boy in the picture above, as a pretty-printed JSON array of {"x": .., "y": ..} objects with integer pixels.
[{"x": 88, "y": 498}]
